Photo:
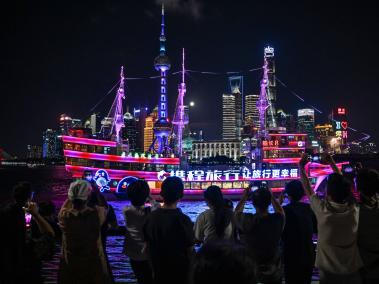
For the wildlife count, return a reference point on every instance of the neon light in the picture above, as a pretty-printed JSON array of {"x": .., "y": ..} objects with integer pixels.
[
  {"x": 283, "y": 148},
  {"x": 124, "y": 183},
  {"x": 121, "y": 159},
  {"x": 287, "y": 134},
  {"x": 344, "y": 124},
  {"x": 88, "y": 141},
  {"x": 102, "y": 180},
  {"x": 341, "y": 110},
  {"x": 77, "y": 172},
  {"x": 282, "y": 160}
]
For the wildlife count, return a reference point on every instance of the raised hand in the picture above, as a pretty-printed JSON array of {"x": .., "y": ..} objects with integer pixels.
[
  {"x": 32, "y": 208},
  {"x": 304, "y": 160}
]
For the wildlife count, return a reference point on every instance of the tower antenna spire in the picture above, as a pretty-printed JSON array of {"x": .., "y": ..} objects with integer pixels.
[{"x": 162, "y": 127}]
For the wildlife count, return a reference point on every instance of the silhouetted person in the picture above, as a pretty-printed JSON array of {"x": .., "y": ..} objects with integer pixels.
[
  {"x": 216, "y": 222},
  {"x": 337, "y": 215},
  {"x": 261, "y": 233},
  {"x": 298, "y": 249},
  {"x": 222, "y": 262},
  {"x": 368, "y": 228},
  {"x": 169, "y": 236},
  {"x": 82, "y": 259},
  {"x": 96, "y": 198},
  {"x": 19, "y": 262},
  {"x": 135, "y": 217}
]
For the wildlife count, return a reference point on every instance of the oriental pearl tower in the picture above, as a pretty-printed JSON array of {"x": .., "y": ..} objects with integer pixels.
[{"x": 162, "y": 126}]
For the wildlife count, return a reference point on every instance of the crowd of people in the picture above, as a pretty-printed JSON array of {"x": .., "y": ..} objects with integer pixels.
[{"x": 224, "y": 245}]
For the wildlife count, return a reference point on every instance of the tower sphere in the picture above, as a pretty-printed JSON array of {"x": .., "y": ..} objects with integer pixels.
[{"x": 162, "y": 63}]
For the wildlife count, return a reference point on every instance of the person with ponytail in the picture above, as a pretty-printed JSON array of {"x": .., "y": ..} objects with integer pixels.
[{"x": 216, "y": 222}]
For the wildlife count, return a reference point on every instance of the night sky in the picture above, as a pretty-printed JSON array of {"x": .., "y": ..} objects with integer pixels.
[{"x": 63, "y": 57}]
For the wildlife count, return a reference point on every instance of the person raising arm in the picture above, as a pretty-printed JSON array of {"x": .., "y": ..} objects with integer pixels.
[
  {"x": 328, "y": 159},
  {"x": 241, "y": 204},
  {"x": 303, "y": 176},
  {"x": 276, "y": 204},
  {"x": 43, "y": 226}
]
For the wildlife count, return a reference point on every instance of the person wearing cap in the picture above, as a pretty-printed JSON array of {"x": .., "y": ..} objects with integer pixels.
[
  {"x": 82, "y": 259},
  {"x": 301, "y": 224}
]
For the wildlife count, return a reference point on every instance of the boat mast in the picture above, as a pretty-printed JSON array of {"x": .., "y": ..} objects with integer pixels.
[
  {"x": 118, "y": 118},
  {"x": 262, "y": 106},
  {"x": 180, "y": 120}
]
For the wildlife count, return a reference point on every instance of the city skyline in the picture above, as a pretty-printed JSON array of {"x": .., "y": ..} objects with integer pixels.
[{"x": 51, "y": 90}]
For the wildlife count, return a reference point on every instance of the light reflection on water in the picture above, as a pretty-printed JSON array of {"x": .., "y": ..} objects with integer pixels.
[{"x": 191, "y": 208}]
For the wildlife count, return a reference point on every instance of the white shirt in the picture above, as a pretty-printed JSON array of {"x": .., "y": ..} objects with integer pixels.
[
  {"x": 337, "y": 250},
  {"x": 205, "y": 229}
]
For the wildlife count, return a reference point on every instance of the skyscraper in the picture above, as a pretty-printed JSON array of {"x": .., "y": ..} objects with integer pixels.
[
  {"x": 50, "y": 144},
  {"x": 140, "y": 115},
  {"x": 271, "y": 88},
  {"x": 106, "y": 127},
  {"x": 324, "y": 133},
  {"x": 130, "y": 131},
  {"x": 162, "y": 126},
  {"x": 148, "y": 133},
  {"x": 34, "y": 152},
  {"x": 94, "y": 123},
  {"x": 76, "y": 122},
  {"x": 251, "y": 111},
  {"x": 65, "y": 123},
  {"x": 232, "y": 116},
  {"x": 306, "y": 122},
  {"x": 286, "y": 120}
]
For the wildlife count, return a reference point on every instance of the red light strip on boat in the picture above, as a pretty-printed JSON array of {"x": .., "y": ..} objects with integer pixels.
[
  {"x": 88, "y": 141},
  {"x": 120, "y": 159},
  {"x": 287, "y": 134},
  {"x": 283, "y": 148},
  {"x": 282, "y": 160}
]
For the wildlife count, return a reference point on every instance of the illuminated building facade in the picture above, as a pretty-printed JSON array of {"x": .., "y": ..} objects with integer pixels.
[
  {"x": 34, "y": 152},
  {"x": 77, "y": 123},
  {"x": 148, "y": 133},
  {"x": 94, "y": 122},
  {"x": 207, "y": 149},
  {"x": 50, "y": 144},
  {"x": 340, "y": 124},
  {"x": 130, "y": 131},
  {"x": 324, "y": 133},
  {"x": 286, "y": 120},
  {"x": 140, "y": 115},
  {"x": 251, "y": 111},
  {"x": 232, "y": 116},
  {"x": 306, "y": 122},
  {"x": 65, "y": 123},
  {"x": 106, "y": 127}
]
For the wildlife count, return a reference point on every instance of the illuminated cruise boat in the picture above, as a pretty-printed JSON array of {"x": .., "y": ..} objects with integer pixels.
[{"x": 113, "y": 171}]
